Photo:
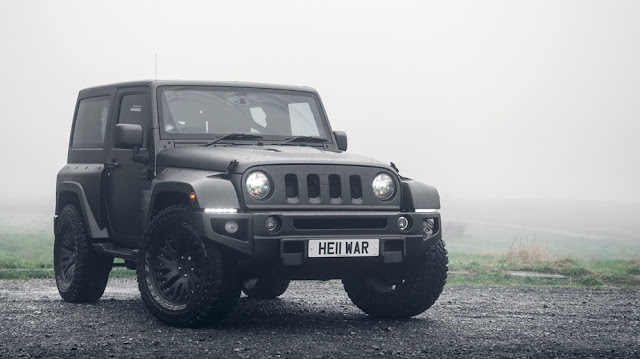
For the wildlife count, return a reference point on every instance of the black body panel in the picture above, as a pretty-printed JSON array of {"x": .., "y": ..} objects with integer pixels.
[
  {"x": 218, "y": 158},
  {"x": 417, "y": 195},
  {"x": 84, "y": 181},
  {"x": 284, "y": 253}
]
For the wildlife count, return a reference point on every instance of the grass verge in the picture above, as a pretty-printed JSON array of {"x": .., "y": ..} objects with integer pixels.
[
  {"x": 495, "y": 268},
  {"x": 27, "y": 253},
  {"x": 467, "y": 269}
]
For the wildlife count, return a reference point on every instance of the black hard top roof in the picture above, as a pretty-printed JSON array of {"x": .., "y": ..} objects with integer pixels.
[{"x": 156, "y": 83}]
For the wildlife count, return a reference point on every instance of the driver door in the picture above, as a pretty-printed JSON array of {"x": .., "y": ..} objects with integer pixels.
[{"x": 126, "y": 179}]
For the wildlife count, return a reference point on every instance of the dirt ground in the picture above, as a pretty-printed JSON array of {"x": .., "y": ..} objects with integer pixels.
[{"x": 317, "y": 320}]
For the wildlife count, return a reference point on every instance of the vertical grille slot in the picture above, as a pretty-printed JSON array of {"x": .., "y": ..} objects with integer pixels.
[
  {"x": 335, "y": 188},
  {"x": 355, "y": 184},
  {"x": 291, "y": 185},
  {"x": 313, "y": 186}
]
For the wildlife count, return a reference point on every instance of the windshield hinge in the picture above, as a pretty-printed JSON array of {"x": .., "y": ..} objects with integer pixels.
[{"x": 232, "y": 166}]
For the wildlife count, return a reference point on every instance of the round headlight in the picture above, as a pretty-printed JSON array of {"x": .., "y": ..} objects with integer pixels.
[
  {"x": 258, "y": 185},
  {"x": 383, "y": 186}
]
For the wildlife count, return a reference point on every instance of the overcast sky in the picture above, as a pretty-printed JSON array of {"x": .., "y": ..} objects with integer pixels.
[{"x": 504, "y": 99}]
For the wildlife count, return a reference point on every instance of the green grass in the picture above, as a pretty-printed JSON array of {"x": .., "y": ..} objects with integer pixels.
[
  {"x": 20, "y": 248},
  {"x": 26, "y": 252},
  {"x": 493, "y": 269}
]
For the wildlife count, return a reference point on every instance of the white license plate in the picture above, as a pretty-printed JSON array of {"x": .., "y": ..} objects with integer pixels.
[{"x": 344, "y": 248}]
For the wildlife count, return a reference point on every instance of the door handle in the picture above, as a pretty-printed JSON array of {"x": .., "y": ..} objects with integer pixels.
[{"x": 111, "y": 165}]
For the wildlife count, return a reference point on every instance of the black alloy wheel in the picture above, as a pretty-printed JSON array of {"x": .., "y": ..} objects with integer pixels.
[
  {"x": 176, "y": 266},
  {"x": 68, "y": 258},
  {"x": 184, "y": 280},
  {"x": 81, "y": 274}
]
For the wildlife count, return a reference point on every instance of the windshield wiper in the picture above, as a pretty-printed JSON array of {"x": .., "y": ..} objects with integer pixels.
[
  {"x": 234, "y": 136},
  {"x": 305, "y": 139}
]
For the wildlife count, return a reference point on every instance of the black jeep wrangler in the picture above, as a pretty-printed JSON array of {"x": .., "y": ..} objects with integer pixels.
[{"x": 207, "y": 189}]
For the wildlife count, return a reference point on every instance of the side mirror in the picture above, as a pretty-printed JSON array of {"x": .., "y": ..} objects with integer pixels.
[
  {"x": 130, "y": 136},
  {"x": 341, "y": 140},
  {"x": 127, "y": 136}
]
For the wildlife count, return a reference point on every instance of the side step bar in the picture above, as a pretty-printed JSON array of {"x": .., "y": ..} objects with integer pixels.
[{"x": 115, "y": 251}]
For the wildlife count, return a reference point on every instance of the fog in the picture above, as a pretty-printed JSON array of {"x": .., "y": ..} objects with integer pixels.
[{"x": 500, "y": 99}]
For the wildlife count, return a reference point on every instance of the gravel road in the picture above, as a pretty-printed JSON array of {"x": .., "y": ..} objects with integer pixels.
[{"x": 316, "y": 319}]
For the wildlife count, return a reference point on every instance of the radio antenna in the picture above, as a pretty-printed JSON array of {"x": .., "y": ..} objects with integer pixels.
[{"x": 156, "y": 67}]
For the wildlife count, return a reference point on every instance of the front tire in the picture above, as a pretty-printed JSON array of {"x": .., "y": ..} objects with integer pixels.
[
  {"x": 183, "y": 281},
  {"x": 81, "y": 274},
  {"x": 265, "y": 288},
  {"x": 402, "y": 295}
]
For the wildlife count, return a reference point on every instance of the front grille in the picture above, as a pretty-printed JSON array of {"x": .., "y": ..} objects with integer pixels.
[
  {"x": 314, "y": 188},
  {"x": 323, "y": 187},
  {"x": 340, "y": 223}
]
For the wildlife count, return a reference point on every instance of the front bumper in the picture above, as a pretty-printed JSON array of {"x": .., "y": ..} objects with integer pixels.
[{"x": 287, "y": 248}]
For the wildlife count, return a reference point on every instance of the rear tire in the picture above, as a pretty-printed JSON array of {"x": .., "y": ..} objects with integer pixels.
[
  {"x": 81, "y": 274},
  {"x": 182, "y": 280},
  {"x": 265, "y": 288},
  {"x": 406, "y": 295}
]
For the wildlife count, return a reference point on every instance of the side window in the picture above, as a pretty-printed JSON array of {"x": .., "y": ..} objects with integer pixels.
[
  {"x": 91, "y": 122},
  {"x": 133, "y": 110}
]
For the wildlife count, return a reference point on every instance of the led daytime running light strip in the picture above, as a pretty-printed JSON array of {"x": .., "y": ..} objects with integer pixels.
[{"x": 220, "y": 210}]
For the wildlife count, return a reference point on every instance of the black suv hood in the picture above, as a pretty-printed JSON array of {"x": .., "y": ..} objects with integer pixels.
[{"x": 218, "y": 158}]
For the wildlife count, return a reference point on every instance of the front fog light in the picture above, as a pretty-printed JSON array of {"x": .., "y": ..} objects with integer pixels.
[
  {"x": 271, "y": 224},
  {"x": 231, "y": 227},
  {"x": 403, "y": 223}
]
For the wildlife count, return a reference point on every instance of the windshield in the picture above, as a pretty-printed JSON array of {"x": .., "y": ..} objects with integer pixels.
[{"x": 194, "y": 112}]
